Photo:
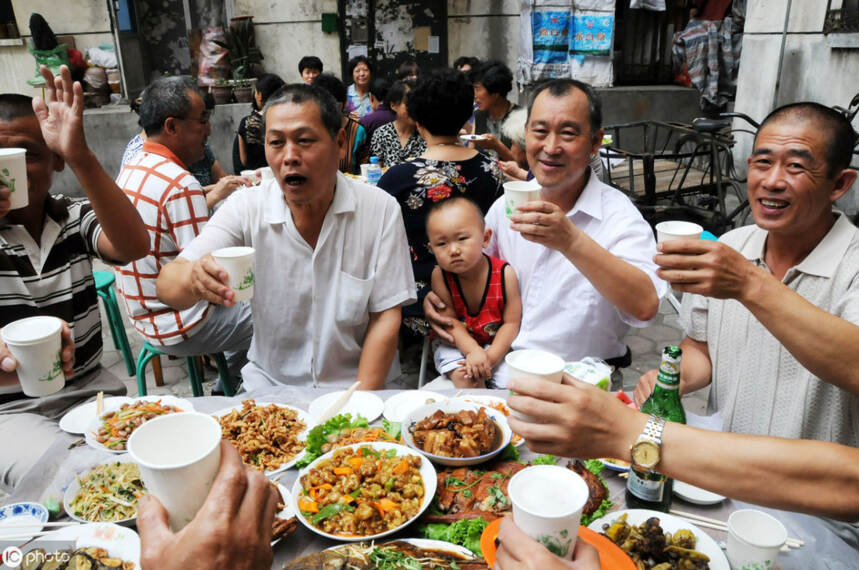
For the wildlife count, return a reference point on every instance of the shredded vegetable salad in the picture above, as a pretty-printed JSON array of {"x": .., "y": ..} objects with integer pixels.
[
  {"x": 108, "y": 493},
  {"x": 116, "y": 427}
]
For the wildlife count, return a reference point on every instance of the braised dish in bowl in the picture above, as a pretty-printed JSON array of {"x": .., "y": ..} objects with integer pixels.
[
  {"x": 456, "y": 432},
  {"x": 364, "y": 491}
]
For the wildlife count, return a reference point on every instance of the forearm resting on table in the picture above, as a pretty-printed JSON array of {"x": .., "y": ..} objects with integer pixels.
[
  {"x": 822, "y": 342},
  {"x": 380, "y": 346},
  {"x": 814, "y": 477},
  {"x": 174, "y": 284},
  {"x": 624, "y": 285}
]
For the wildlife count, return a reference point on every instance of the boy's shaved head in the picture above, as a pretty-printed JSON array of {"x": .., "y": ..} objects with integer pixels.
[
  {"x": 457, "y": 201},
  {"x": 14, "y": 106}
]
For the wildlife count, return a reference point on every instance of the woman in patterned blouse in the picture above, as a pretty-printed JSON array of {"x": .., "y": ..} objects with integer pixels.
[
  {"x": 399, "y": 140},
  {"x": 440, "y": 104}
]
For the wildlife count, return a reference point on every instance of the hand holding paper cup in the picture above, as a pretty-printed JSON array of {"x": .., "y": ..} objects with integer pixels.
[
  {"x": 534, "y": 364},
  {"x": 238, "y": 262},
  {"x": 517, "y": 193},
  {"x": 13, "y": 175},
  {"x": 677, "y": 229},
  {"x": 547, "y": 506},
  {"x": 251, "y": 175},
  {"x": 36, "y": 343},
  {"x": 178, "y": 455}
]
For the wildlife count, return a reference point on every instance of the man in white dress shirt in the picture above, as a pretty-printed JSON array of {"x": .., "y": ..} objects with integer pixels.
[
  {"x": 331, "y": 266},
  {"x": 583, "y": 253}
]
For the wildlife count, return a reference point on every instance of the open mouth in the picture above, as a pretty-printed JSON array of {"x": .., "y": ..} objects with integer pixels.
[
  {"x": 774, "y": 204},
  {"x": 295, "y": 180}
]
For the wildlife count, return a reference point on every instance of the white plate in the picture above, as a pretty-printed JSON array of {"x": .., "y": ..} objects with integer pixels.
[
  {"x": 430, "y": 544},
  {"x": 451, "y": 407},
  {"x": 485, "y": 400},
  {"x": 669, "y": 523},
  {"x": 361, "y": 402},
  {"x": 302, "y": 436},
  {"x": 428, "y": 475},
  {"x": 696, "y": 495},
  {"x": 95, "y": 422},
  {"x": 119, "y": 541},
  {"x": 74, "y": 486},
  {"x": 78, "y": 419},
  {"x": 22, "y": 513},
  {"x": 398, "y": 406},
  {"x": 614, "y": 466}
]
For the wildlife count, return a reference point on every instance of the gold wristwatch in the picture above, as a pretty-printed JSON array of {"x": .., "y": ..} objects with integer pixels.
[{"x": 647, "y": 448}]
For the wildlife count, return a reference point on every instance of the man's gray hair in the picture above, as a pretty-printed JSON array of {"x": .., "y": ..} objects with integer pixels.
[
  {"x": 514, "y": 126},
  {"x": 166, "y": 97}
]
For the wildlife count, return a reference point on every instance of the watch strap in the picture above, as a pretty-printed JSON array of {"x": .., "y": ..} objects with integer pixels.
[{"x": 653, "y": 429}]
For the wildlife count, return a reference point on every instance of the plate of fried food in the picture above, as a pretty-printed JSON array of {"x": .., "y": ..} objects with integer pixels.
[
  {"x": 457, "y": 433},
  {"x": 652, "y": 538},
  {"x": 108, "y": 492},
  {"x": 110, "y": 431},
  {"x": 96, "y": 545},
  {"x": 364, "y": 491},
  {"x": 270, "y": 437},
  {"x": 405, "y": 553},
  {"x": 498, "y": 404}
]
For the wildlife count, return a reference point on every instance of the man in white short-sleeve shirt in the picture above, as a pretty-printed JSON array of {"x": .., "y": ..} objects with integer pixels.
[
  {"x": 331, "y": 264},
  {"x": 583, "y": 253}
]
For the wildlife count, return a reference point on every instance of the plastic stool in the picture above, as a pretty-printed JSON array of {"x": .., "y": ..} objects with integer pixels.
[
  {"x": 195, "y": 372},
  {"x": 104, "y": 287}
]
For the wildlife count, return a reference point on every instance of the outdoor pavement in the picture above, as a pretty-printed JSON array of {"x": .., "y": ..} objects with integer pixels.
[{"x": 646, "y": 345}]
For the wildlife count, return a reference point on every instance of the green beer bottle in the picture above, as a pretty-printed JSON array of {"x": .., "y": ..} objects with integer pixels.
[{"x": 650, "y": 489}]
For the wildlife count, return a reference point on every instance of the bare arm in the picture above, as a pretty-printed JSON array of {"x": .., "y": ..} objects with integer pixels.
[
  {"x": 380, "y": 346},
  {"x": 222, "y": 189},
  {"x": 124, "y": 237},
  {"x": 183, "y": 283},
  {"x": 512, "y": 318},
  {"x": 218, "y": 171},
  {"x": 696, "y": 371},
  {"x": 243, "y": 150},
  {"x": 580, "y": 420},
  {"x": 461, "y": 338},
  {"x": 624, "y": 285}
]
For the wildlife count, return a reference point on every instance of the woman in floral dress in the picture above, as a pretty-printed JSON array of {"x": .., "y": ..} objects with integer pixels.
[{"x": 440, "y": 104}]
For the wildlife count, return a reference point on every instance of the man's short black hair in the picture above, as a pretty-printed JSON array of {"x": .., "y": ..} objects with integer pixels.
[
  {"x": 332, "y": 84},
  {"x": 407, "y": 69},
  {"x": 353, "y": 63},
  {"x": 300, "y": 93},
  {"x": 398, "y": 91},
  {"x": 495, "y": 77},
  {"x": 14, "y": 106},
  {"x": 267, "y": 84},
  {"x": 442, "y": 101},
  {"x": 560, "y": 87},
  {"x": 163, "y": 98},
  {"x": 379, "y": 88},
  {"x": 309, "y": 62},
  {"x": 464, "y": 60},
  {"x": 840, "y": 136},
  {"x": 437, "y": 207}
]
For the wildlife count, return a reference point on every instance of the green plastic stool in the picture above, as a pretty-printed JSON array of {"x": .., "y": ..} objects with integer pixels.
[
  {"x": 104, "y": 287},
  {"x": 148, "y": 352}
]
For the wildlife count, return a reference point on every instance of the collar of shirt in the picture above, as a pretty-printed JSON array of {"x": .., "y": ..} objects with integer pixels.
[
  {"x": 590, "y": 200},
  {"x": 823, "y": 259},
  {"x": 161, "y": 150},
  {"x": 277, "y": 210}
]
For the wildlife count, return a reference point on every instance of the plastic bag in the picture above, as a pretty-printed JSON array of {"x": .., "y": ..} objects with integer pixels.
[
  {"x": 655, "y": 5},
  {"x": 214, "y": 60},
  {"x": 591, "y": 370},
  {"x": 105, "y": 58},
  {"x": 52, "y": 58}
]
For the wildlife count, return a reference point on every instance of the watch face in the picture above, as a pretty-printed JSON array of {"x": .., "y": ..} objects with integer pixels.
[{"x": 645, "y": 454}]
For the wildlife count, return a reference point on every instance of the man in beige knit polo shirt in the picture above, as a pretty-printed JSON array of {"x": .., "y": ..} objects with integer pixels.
[{"x": 772, "y": 324}]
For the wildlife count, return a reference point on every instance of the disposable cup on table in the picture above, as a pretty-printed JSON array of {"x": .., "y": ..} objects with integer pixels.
[
  {"x": 754, "y": 539},
  {"x": 13, "y": 175},
  {"x": 178, "y": 455},
  {"x": 547, "y": 506},
  {"x": 36, "y": 343},
  {"x": 534, "y": 364},
  {"x": 364, "y": 168},
  {"x": 238, "y": 262},
  {"x": 677, "y": 229},
  {"x": 251, "y": 175},
  {"x": 517, "y": 193},
  {"x": 266, "y": 173}
]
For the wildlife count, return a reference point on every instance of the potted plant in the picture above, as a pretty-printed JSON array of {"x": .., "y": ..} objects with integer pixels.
[
  {"x": 221, "y": 91},
  {"x": 242, "y": 49},
  {"x": 242, "y": 85}
]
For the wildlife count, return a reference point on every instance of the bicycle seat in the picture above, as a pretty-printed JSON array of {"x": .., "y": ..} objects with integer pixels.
[{"x": 710, "y": 125}]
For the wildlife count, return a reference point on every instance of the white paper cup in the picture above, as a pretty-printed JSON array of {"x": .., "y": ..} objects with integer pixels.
[
  {"x": 535, "y": 364},
  {"x": 266, "y": 173},
  {"x": 517, "y": 193},
  {"x": 754, "y": 539},
  {"x": 13, "y": 174},
  {"x": 252, "y": 175},
  {"x": 238, "y": 262},
  {"x": 36, "y": 343},
  {"x": 364, "y": 168},
  {"x": 178, "y": 455},
  {"x": 678, "y": 229},
  {"x": 547, "y": 506}
]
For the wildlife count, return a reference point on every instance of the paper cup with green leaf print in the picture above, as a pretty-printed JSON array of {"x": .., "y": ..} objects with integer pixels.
[
  {"x": 36, "y": 343},
  {"x": 547, "y": 506},
  {"x": 238, "y": 262},
  {"x": 517, "y": 192},
  {"x": 13, "y": 175}
]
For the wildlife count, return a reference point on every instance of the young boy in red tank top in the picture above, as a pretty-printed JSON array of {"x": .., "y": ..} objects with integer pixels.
[{"x": 481, "y": 292}]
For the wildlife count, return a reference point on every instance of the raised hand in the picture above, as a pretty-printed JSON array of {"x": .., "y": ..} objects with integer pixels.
[{"x": 60, "y": 114}]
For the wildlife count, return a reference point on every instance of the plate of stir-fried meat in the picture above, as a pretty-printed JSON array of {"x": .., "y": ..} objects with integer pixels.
[{"x": 456, "y": 432}]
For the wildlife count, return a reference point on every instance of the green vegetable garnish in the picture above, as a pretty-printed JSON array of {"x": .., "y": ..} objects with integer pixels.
[
  {"x": 389, "y": 559},
  {"x": 392, "y": 428},
  {"x": 365, "y": 451},
  {"x": 595, "y": 466},
  {"x": 391, "y": 453},
  {"x": 545, "y": 460},
  {"x": 465, "y": 532},
  {"x": 510, "y": 453},
  {"x": 329, "y": 511},
  {"x": 318, "y": 436},
  {"x": 496, "y": 496}
]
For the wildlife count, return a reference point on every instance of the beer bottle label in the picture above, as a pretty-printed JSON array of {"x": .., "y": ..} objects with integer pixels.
[{"x": 644, "y": 488}]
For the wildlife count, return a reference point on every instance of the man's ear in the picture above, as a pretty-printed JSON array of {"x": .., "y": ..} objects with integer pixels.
[
  {"x": 341, "y": 143},
  {"x": 843, "y": 182},
  {"x": 170, "y": 125},
  {"x": 597, "y": 141},
  {"x": 487, "y": 235}
]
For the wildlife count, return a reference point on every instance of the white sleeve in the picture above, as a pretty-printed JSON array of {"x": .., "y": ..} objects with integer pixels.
[
  {"x": 394, "y": 282},
  {"x": 492, "y": 223},
  {"x": 223, "y": 230}
]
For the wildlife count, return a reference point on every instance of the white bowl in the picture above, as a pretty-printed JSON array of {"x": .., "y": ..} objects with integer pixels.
[
  {"x": 74, "y": 486},
  {"x": 451, "y": 407},
  {"x": 428, "y": 475}
]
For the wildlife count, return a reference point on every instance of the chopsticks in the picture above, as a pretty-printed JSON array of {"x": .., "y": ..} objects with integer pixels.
[
  {"x": 716, "y": 524},
  {"x": 30, "y": 535}
]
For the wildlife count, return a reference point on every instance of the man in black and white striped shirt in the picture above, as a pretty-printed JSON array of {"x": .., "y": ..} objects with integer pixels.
[{"x": 46, "y": 250}]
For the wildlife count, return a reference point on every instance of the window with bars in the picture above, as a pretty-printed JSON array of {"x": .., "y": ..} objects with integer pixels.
[{"x": 842, "y": 16}]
